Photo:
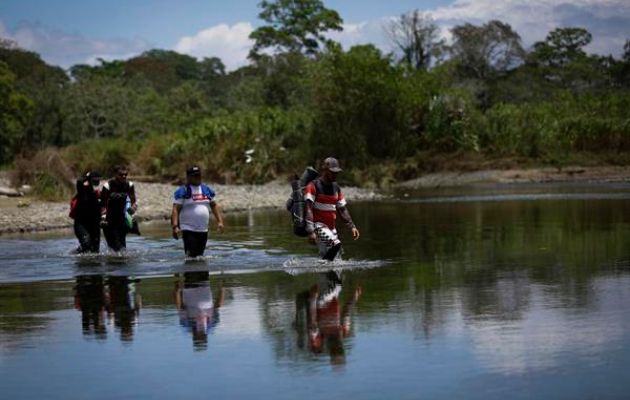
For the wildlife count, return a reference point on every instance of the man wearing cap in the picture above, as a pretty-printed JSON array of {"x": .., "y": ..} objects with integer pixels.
[
  {"x": 324, "y": 201},
  {"x": 85, "y": 209},
  {"x": 190, "y": 215}
]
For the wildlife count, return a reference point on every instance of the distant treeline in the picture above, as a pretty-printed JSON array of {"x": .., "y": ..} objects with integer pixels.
[{"x": 387, "y": 116}]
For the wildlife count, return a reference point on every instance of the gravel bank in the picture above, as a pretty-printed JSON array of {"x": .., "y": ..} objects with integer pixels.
[
  {"x": 515, "y": 176},
  {"x": 154, "y": 203}
]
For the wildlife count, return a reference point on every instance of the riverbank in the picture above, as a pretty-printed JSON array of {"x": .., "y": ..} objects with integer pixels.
[
  {"x": 26, "y": 214},
  {"x": 517, "y": 176}
]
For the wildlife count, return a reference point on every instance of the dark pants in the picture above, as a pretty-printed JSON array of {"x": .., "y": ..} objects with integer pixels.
[
  {"x": 194, "y": 243},
  {"x": 89, "y": 236},
  {"x": 116, "y": 236}
]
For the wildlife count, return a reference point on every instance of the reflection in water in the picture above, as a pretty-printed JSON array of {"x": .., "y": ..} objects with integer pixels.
[
  {"x": 116, "y": 295},
  {"x": 90, "y": 299},
  {"x": 198, "y": 310},
  {"x": 321, "y": 319},
  {"x": 124, "y": 304}
]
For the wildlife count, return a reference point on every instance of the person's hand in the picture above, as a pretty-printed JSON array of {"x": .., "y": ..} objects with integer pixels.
[
  {"x": 133, "y": 209},
  {"x": 220, "y": 227},
  {"x": 312, "y": 238},
  {"x": 357, "y": 293},
  {"x": 355, "y": 234},
  {"x": 176, "y": 232}
]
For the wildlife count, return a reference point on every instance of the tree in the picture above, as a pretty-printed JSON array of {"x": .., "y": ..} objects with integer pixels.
[
  {"x": 357, "y": 106},
  {"x": 562, "y": 46},
  {"x": 416, "y": 36},
  {"x": 562, "y": 61},
  {"x": 294, "y": 26},
  {"x": 15, "y": 113},
  {"x": 43, "y": 84},
  {"x": 487, "y": 51}
]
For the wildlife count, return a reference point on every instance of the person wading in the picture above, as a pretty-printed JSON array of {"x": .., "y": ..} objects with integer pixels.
[
  {"x": 114, "y": 197},
  {"x": 324, "y": 201},
  {"x": 190, "y": 216},
  {"x": 85, "y": 209}
]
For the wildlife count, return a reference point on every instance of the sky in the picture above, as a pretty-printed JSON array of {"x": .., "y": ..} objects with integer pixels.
[{"x": 69, "y": 32}]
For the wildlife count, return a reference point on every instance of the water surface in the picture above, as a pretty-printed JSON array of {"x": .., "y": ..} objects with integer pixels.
[{"x": 492, "y": 292}]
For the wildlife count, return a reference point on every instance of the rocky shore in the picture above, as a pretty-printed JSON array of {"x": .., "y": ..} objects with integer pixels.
[{"x": 25, "y": 214}]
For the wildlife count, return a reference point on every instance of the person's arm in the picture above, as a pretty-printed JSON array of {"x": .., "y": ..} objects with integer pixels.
[
  {"x": 104, "y": 203},
  {"x": 345, "y": 216},
  {"x": 347, "y": 309},
  {"x": 80, "y": 188},
  {"x": 218, "y": 215},
  {"x": 178, "y": 295},
  {"x": 218, "y": 302},
  {"x": 177, "y": 208},
  {"x": 132, "y": 196},
  {"x": 309, "y": 197}
]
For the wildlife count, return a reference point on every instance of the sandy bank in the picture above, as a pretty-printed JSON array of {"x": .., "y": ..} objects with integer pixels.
[
  {"x": 154, "y": 200},
  {"x": 515, "y": 176}
]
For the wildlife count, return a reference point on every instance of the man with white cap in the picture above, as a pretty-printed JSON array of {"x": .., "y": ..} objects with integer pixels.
[{"x": 324, "y": 201}]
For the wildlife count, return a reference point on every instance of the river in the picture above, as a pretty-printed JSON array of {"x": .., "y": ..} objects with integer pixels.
[{"x": 485, "y": 293}]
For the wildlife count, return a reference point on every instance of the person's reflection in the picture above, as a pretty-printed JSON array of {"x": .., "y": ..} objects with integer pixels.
[
  {"x": 320, "y": 316},
  {"x": 124, "y": 304},
  {"x": 90, "y": 298},
  {"x": 198, "y": 310}
]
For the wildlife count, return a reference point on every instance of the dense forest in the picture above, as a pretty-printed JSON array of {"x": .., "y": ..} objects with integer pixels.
[{"x": 479, "y": 100}]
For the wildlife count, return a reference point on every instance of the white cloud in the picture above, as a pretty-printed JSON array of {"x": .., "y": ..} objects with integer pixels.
[
  {"x": 362, "y": 33},
  {"x": 230, "y": 43},
  {"x": 66, "y": 49},
  {"x": 607, "y": 20}
]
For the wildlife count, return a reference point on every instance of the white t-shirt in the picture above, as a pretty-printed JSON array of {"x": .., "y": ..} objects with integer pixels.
[{"x": 195, "y": 212}]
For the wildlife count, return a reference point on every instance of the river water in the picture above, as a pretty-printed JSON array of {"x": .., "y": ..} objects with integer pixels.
[{"x": 484, "y": 293}]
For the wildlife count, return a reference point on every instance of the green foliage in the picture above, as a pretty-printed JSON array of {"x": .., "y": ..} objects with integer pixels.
[
  {"x": 483, "y": 52},
  {"x": 294, "y": 26},
  {"x": 102, "y": 155},
  {"x": 451, "y": 124},
  {"x": 303, "y": 98},
  {"x": 15, "y": 111},
  {"x": 551, "y": 130},
  {"x": 245, "y": 147},
  {"x": 357, "y": 108},
  {"x": 47, "y": 172},
  {"x": 105, "y": 107}
]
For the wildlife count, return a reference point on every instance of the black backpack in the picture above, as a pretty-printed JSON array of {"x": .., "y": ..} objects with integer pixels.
[{"x": 296, "y": 204}]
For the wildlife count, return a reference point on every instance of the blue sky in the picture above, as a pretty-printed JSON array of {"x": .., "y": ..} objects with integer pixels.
[{"x": 67, "y": 32}]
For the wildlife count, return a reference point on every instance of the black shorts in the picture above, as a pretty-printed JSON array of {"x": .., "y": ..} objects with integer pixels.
[{"x": 194, "y": 243}]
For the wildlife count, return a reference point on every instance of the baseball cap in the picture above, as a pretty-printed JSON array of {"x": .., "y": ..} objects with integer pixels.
[
  {"x": 194, "y": 170},
  {"x": 332, "y": 164}
]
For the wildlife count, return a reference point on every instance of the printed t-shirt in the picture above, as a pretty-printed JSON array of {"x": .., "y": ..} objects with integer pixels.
[
  {"x": 325, "y": 203},
  {"x": 195, "y": 212}
]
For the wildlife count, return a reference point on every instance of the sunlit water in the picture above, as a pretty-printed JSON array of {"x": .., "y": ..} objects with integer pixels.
[{"x": 517, "y": 292}]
